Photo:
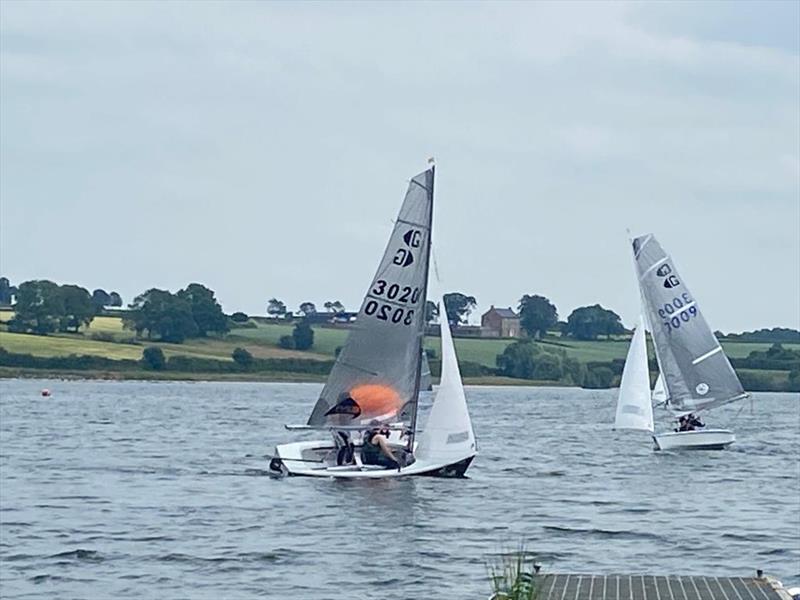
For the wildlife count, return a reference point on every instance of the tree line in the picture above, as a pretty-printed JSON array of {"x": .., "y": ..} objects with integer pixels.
[
  {"x": 538, "y": 315},
  {"x": 188, "y": 313},
  {"x": 277, "y": 308},
  {"x": 42, "y": 306},
  {"x": 525, "y": 359}
]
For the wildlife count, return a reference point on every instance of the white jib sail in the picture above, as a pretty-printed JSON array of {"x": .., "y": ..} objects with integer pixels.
[
  {"x": 634, "y": 408},
  {"x": 659, "y": 390},
  {"x": 447, "y": 436}
]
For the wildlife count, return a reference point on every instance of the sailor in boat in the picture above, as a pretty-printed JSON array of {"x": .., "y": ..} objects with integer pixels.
[
  {"x": 689, "y": 423},
  {"x": 694, "y": 422},
  {"x": 345, "y": 454},
  {"x": 375, "y": 449}
]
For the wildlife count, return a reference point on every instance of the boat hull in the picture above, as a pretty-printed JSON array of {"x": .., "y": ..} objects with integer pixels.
[
  {"x": 318, "y": 459},
  {"x": 700, "y": 439}
]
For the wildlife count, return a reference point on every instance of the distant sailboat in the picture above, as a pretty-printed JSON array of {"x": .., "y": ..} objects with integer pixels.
[
  {"x": 694, "y": 373},
  {"x": 378, "y": 375}
]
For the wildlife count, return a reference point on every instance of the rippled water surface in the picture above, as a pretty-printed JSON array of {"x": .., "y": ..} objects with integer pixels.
[{"x": 159, "y": 490}]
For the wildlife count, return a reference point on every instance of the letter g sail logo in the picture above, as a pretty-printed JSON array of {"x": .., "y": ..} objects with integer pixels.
[
  {"x": 412, "y": 239},
  {"x": 665, "y": 271}
]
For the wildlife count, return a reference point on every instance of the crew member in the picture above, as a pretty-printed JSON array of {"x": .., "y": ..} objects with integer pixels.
[{"x": 375, "y": 449}]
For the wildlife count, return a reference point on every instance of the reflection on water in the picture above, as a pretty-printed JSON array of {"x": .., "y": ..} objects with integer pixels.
[{"x": 158, "y": 490}]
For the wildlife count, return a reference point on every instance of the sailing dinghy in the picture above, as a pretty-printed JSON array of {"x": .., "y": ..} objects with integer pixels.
[
  {"x": 694, "y": 373},
  {"x": 376, "y": 379}
]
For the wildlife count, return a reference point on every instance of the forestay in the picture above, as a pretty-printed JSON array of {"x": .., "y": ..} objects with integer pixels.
[
  {"x": 634, "y": 410},
  {"x": 376, "y": 375},
  {"x": 697, "y": 374}
]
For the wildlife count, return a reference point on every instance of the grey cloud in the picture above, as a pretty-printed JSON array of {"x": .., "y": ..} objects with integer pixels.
[{"x": 262, "y": 148}]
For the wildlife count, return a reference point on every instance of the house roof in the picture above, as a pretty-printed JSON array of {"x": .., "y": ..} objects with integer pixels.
[{"x": 504, "y": 313}]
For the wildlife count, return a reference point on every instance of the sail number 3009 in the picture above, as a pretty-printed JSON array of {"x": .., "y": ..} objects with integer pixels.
[{"x": 676, "y": 312}]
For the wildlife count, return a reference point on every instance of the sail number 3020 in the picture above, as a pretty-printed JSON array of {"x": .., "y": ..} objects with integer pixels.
[
  {"x": 392, "y": 291},
  {"x": 384, "y": 312}
]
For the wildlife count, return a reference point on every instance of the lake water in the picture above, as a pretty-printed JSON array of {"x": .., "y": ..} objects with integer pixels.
[{"x": 159, "y": 490}]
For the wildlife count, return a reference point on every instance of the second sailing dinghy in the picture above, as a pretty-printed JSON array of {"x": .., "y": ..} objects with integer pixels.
[
  {"x": 694, "y": 373},
  {"x": 376, "y": 379}
]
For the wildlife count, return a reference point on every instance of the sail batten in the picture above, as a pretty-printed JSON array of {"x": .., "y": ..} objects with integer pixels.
[
  {"x": 420, "y": 225},
  {"x": 695, "y": 378},
  {"x": 376, "y": 375},
  {"x": 708, "y": 354},
  {"x": 653, "y": 267},
  {"x": 424, "y": 187}
]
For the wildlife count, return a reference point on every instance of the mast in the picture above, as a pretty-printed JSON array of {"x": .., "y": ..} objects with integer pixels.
[
  {"x": 648, "y": 326},
  {"x": 377, "y": 373},
  {"x": 644, "y": 314},
  {"x": 424, "y": 306}
]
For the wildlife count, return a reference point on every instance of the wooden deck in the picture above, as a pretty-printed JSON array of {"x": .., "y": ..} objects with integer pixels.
[{"x": 654, "y": 587}]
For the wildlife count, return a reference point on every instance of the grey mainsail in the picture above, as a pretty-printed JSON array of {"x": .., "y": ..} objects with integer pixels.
[
  {"x": 697, "y": 374},
  {"x": 377, "y": 373}
]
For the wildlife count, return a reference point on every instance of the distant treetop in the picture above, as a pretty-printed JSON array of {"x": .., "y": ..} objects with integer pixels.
[
  {"x": 774, "y": 335},
  {"x": 589, "y": 322}
]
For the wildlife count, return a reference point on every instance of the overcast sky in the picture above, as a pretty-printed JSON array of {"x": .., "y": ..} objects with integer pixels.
[{"x": 263, "y": 149}]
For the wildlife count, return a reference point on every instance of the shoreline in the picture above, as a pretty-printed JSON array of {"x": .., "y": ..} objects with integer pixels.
[
  {"x": 138, "y": 374},
  {"x": 266, "y": 377}
]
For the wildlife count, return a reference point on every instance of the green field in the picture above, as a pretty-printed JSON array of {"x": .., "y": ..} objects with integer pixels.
[
  {"x": 262, "y": 342},
  {"x": 478, "y": 350},
  {"x": 63, "y": 346},
  {"x": 325, "y": 340},
  {"x": 263, "y": 345},
  {"x": 106, "y": 337}
]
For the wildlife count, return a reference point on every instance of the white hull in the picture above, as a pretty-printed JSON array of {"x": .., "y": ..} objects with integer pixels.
[
  {"x": 700, "y": 439},
  {"x": 318, "y": 459}
]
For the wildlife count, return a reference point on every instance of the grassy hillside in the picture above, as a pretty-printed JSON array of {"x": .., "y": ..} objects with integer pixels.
[
  {"x": 61, "y": 346},
  {"x": 325, "y": 340},
  {"x": 106, "y": 337}
]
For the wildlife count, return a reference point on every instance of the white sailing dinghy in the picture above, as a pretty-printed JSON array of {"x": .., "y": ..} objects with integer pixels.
[
  {"x": 694, "y": 373},
  {"x": 376, "y": 378}
]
